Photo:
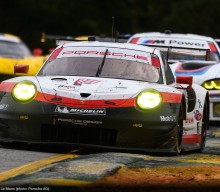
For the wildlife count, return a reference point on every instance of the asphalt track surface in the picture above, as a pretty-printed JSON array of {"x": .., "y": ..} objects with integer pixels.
[{"x": 37, "y": 169}]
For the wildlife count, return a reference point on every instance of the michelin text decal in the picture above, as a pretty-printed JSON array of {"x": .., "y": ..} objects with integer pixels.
[{"x": 81, "y": 111}]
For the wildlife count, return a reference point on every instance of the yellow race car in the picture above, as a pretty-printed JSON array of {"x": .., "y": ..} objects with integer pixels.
[{"x": 13, "y": 51}]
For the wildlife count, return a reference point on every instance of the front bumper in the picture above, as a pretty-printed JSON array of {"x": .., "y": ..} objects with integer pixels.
[
  {"x": 120, "y": 128},
  {"x": 214, "y": 99}
]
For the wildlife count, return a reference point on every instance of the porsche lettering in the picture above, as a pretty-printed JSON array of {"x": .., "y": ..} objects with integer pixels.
[{"x": 114, "y": 54}]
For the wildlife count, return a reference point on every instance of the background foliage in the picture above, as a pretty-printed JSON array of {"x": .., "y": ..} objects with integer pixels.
[{"x": 29, "y": 18}]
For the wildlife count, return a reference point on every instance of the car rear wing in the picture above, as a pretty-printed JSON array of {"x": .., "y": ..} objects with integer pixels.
[
  {"x": 217, "y": 40},
  {"x": 203, "y": 54},
  {"x": 121, "y": 38}
]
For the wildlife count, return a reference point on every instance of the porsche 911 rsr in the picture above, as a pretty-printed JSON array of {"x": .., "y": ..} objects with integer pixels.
[
  {"x": 13, "y": 51},
  {"x": 190, "y": 55},
  {"x": 110, "y": 95}
]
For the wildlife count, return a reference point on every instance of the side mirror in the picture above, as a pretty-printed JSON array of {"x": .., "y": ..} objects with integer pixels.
[
  {"x": 37, "y": 52},
  {"x": 21, "y": 69},
  {"x": 186, "y": 80}
]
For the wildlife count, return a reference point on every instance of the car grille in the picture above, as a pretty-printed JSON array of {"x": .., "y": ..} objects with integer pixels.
[
  {"x": 82, "y": 135},
  {"x": 216, "y": 109}
]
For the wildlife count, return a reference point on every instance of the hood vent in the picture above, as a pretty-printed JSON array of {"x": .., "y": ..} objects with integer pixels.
[{"x": 85, "y": 94}]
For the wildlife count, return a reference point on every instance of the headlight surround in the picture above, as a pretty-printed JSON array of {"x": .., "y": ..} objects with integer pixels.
[
  {"x": 212, "y": 84},
  {"x": 148, "y": 99},
  {"x": 24, "y": 91}
]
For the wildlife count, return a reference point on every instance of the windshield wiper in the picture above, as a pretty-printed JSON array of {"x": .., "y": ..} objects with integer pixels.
[{"x": 101, "y": 64}]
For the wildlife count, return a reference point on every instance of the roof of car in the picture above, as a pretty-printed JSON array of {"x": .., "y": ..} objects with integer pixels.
[
  {"x": 173, "y": 35},
  {"x": 9, "y": 37},
  {"x": 112, "y": 45}
]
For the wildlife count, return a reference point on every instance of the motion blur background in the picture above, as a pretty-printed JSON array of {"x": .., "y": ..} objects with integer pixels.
[{"x": 29, "y": 18}]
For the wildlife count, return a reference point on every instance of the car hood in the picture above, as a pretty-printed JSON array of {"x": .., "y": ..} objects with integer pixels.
[
  {"x": 200, "y": 70},
  {"x": 83, "y": 90}
]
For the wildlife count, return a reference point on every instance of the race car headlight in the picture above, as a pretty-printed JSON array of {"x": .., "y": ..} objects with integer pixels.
[
  {"x": 24, "y": 91},
  {"x": 149, "y": 99},
  {"x": 213, "y": 84}
]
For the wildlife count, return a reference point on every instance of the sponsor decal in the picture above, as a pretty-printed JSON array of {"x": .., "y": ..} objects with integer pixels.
[
  {"x": 179, "y": 43},
  {"x": 197, "y": 115},
  {"x": 24, "y": 117},
  {"x": 200, "y": 103},
  {"x": 81, "y": 111},
  {"x": 4, "y": 106},
  {"x": 137, "y": 125},
  {"x": 116, "y": 53},
  {"x": 66, "y": 87},
  {"x": 155, "y": 42},
  {"x": 197, "y": 44},
  {"x": 189, "y": 121},
  {"x": 85, "y": 81},
  {"x": 79, "y": 121},
  {"x": 113, "y": 54},
  {"x": 168, "y": 118}
]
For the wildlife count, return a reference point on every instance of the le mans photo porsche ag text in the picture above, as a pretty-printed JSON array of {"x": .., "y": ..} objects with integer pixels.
[
  {"x": 190, "y": 55},
  {"x": 110, "y": 95}
]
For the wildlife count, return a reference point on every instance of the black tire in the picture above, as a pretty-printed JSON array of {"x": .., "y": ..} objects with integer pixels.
[
  {"x": 179, "y": 132},
  {"x": 205, "y": 125}
]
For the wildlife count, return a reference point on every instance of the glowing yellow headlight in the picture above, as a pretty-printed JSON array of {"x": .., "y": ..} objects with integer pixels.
[
  {"x": 214, "y": 84},
  {"x": 149, "y": 99},
  {"x": 209, "y": 85},
  {"x": 24, "y": 91},
  {"x": 217, "y": 84}
]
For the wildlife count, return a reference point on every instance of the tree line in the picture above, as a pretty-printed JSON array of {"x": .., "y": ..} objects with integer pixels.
[{"x": 29, "y": 18}]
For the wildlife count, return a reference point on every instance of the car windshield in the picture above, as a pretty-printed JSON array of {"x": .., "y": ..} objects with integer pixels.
[
  {"x": 13, "y": 50},
  {"x": 112, "y": 68}
]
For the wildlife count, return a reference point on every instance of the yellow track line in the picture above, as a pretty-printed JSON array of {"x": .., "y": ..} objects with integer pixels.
[{"x": 34, "y": 166}]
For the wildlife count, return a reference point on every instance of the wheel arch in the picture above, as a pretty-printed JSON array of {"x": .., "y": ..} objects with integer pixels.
[
  {"x": 208, "y": 108},
  {"x": 183, "y": 106},
  {"x": 207, "y": 102}
]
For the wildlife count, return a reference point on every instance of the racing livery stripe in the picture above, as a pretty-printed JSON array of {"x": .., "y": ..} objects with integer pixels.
[
  {"x": 89, "y": 103},
  {"x": 212, "y": 47},
  {"x": 134, "y": 40},
  {"x": 200, "y": 71},
  {"x": 7, "y": 86},
  {"x": 167, "y": 98},
  {"x": 171, "y": 97},
  {"x": 192, "y": 138},
  {"x": 44, "y": 97},
  {"x": 55, "y": 54}
]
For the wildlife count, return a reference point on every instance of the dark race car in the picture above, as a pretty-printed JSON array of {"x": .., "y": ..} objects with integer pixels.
[{"x": 110, "y": 95}]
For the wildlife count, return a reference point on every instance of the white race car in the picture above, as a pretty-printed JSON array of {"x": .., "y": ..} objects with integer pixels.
[
  {"x": 190, "y": 55},
  {"x": 109, "y": 95}
]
